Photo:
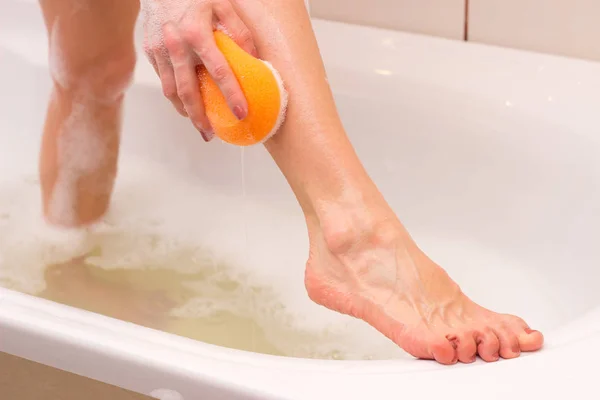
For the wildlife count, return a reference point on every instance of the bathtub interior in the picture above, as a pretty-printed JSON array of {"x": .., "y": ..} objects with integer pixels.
[{"x": 490, "y": 159}]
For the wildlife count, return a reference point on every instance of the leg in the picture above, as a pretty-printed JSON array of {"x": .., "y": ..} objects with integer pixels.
[
  {"x": 91, "y": 58},
  {"x": 362, "y": 260}
]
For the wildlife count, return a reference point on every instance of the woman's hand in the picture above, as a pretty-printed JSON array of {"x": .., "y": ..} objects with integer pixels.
[{"x": 179, "y": 37}]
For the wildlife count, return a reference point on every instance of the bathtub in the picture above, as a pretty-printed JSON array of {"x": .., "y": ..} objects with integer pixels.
[{"x": 488, "y": 155}]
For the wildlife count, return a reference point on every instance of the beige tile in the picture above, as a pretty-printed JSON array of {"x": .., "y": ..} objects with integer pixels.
[
  {"x": 565, "y": 27},
  {"x": 25, "y": 380},
  {"x": 435, "y": 17}
]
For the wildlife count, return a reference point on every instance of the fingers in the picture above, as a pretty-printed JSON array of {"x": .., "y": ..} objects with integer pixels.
[
  {"x": 176, "y": 60},
  {"x": 200, "y": 37},
  {"x": 169, "y": 86},
  {"x": 236, "y": 28},
  {"x": 186, "y": 80}
]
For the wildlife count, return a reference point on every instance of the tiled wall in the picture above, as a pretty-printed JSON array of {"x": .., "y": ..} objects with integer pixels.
[
  {"x": 564, "y": 27},
  {"x": 437, "y": 17},
  {"x": 567, "y": 27}
]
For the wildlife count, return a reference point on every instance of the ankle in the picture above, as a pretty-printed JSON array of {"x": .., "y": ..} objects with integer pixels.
[{"x": 354, "y": 229}]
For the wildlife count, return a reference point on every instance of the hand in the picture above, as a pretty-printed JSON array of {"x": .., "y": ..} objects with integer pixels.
[{"x": 179, "y": 37}]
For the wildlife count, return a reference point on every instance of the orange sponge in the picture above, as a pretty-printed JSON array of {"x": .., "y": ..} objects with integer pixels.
[{"x": 264, "y": 91}]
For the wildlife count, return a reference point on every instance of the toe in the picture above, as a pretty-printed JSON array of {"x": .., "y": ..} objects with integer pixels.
[
  {"x": 488, "y": 345},
  {"x": 444, "y": 350},
  {"x": 466, "y": 349},
  {"x": 530, "y": 340},
  {"x": 509, "y": 342}
]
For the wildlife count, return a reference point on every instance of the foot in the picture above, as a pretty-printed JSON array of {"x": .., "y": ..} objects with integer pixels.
[{"x": 383, "y": 278}]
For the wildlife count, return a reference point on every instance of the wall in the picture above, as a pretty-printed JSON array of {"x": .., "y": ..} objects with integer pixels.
[{"x": 563, "y": 27}]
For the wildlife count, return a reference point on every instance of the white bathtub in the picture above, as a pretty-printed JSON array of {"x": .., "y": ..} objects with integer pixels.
[{"x": 480, "y": 150}]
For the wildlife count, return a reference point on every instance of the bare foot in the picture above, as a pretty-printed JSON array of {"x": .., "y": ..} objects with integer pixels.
[{"x": 383, "y": 278}]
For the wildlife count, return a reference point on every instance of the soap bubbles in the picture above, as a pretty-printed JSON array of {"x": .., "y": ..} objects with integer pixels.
[{"x": 166, "y": 394}]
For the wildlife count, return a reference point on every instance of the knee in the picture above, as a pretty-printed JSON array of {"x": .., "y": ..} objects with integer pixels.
[
  {"x": 112, "y": 76},
  {"x": 104, "y": 76}
]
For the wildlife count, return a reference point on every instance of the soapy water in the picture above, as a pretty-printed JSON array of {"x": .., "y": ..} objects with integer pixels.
[
  {"x": 175, "y": 257},
  {"x": 187, "y": 259}
]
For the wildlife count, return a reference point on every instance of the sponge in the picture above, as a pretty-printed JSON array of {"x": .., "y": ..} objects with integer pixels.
[{"x": 264, "y": 91}]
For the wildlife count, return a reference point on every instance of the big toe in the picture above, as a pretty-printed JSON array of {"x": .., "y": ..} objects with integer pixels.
[{"x": 530, "y": 340}]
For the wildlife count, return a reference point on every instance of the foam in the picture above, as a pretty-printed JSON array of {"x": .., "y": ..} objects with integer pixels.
[
  {"x": 283, "y": 99},
  {"x": 56, "y": 57},
  {"x": 151, "y": 15},
  {"x": 223, "y": 28},
  {"x": 29, "y": 244},
  {"x": 82, "y": 149},
  {"x": 166, "y": 394},
  {"x": 177, "y": 228},
  {"x": 156, "y": 13},
  {"x": 269, "y": 28}
]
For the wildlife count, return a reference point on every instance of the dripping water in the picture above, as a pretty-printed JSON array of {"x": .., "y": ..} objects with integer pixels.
[{"x": 245, "y": 229}]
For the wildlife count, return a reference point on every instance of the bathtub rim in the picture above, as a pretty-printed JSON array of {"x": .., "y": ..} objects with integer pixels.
[{"x": 101, "y": 340}]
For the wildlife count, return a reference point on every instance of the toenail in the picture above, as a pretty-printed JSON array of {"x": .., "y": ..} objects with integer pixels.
[
  {"x": 454, "y": 341},
  {"x": 496, "y": 356},
  {"x": 529, "y": 331},
  {"x": 473, "y": 358},
  {"x": 516, "y": 349}
]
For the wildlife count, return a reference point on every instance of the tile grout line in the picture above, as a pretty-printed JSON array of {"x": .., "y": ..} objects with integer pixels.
[{"x": 466, "y": 25}]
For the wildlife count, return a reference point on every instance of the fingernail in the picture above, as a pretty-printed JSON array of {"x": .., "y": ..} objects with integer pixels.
[
  {"x": 207, "y": 135},
  {"x": 182, "y": 111},
  {"x": 239, "y": 112}
]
